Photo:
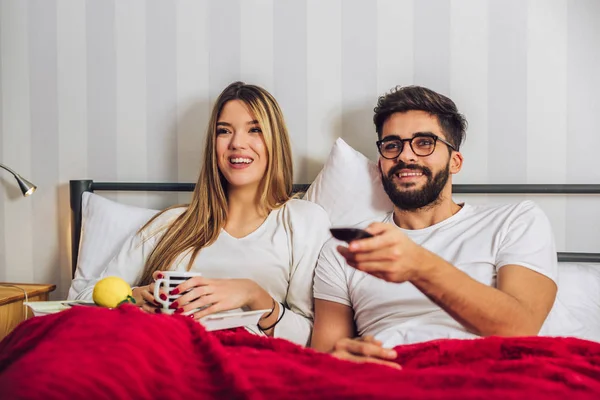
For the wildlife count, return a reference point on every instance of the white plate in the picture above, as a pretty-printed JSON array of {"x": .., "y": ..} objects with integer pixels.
[{"x": 214, "y": 322}]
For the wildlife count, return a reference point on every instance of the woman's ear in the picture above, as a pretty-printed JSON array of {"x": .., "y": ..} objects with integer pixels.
[{"x": 456, "y": 162}]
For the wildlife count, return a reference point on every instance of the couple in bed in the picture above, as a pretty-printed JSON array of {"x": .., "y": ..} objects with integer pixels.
[{"x": 433, "y": 268}]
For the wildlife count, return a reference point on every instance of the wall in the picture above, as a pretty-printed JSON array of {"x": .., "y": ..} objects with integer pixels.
[{"x": 121, "y": 90}]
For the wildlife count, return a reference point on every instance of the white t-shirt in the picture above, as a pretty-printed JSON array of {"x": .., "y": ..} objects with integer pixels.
[
  {"x": 280, "y": 256},
  {"x": 478, "y": 240}
]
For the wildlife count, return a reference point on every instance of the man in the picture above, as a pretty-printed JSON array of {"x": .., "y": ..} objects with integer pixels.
[{"x": 434, "y": 268}]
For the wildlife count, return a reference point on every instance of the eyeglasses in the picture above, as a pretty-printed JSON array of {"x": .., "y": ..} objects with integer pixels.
[{"x": 422, "y": 145}]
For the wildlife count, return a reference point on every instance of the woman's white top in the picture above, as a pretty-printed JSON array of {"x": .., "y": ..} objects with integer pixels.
[{"x": 280, "y": 256}]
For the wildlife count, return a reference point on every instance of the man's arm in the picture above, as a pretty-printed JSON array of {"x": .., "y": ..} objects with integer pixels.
[
  {"x": 518, "y": 307},
  {"x": 333, "y": 332},
  {"x": 333, "y": 321},
  {"x": 334, "y": 327}
]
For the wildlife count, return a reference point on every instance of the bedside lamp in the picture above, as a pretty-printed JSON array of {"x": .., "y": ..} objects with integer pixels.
[{"x": 27, "y": 188}]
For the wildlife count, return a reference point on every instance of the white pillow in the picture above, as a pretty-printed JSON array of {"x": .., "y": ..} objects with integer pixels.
[
  {"x": 105, "y": 226},
  {"x": 349, "y": 188},
  {"x": 576, "y": 311}
]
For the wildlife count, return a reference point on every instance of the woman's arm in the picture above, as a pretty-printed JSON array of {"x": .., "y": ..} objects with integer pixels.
[{"x": 309, "y": 226}]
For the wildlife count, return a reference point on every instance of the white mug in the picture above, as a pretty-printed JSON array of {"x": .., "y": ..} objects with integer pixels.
[{"x": 170, "y": 280}]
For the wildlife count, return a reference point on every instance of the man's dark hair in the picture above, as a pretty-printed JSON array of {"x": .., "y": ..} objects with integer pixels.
[{"x": 409, "y": 98}]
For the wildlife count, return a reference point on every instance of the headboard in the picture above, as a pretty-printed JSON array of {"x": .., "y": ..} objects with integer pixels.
[{"x": 78, "y": 187}]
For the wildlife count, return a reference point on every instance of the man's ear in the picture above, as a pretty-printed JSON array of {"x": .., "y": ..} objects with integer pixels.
[{"x": 456, "y": 162}]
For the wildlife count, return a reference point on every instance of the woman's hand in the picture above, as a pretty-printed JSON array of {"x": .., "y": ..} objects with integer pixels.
[
  {"x": 216, "y": 295},
  {"x": 144, "y": 296}
]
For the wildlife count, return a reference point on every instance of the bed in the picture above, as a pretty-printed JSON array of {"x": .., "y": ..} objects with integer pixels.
[
  {"x": 101, "y": 353},
  {"x": 124, "y": 353},
  {"x": 576, "y": 312}
]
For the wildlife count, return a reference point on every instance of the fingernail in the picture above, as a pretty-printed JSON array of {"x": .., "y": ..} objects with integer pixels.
[
  {"x": 174, "y": 305},
  {"x": 163, "y": 296},
  {"x": 157, "y": 310},
  {"x": 157, "y": 304},
  {"x": 160, "y": 276},
  {"x": 179, "y": 311},
  {"x": 174, "y": 291},
  {"x": 191, "y": 315}
]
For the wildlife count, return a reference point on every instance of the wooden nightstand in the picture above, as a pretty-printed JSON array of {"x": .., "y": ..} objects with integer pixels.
[{"x": 12, "y": 311}]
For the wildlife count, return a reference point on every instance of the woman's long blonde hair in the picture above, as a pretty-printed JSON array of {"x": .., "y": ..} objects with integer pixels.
[{"x": 205, "y": 216}]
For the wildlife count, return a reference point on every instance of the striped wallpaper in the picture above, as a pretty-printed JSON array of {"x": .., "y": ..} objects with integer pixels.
[{"x": 121, "y": 90}]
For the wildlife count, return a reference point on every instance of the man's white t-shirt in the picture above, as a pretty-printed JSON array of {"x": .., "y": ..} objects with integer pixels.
[
  {"x": 280, "y": 256},
  {"x": 478, "y": 240}
]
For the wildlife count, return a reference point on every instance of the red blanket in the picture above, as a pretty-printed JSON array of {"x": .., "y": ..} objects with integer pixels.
[{"x": 125, "y": 354}]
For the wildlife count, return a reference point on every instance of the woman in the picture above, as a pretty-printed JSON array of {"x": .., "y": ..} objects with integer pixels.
[{"x": 255, "y": 246}]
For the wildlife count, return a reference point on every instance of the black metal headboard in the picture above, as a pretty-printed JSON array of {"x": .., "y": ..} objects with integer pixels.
[{"x": 78, "y": 187}]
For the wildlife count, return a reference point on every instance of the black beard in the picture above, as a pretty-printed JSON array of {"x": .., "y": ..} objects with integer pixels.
[{"x": 410, "y": 200}]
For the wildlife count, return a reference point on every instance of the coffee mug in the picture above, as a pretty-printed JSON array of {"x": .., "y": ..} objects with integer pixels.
[{"x": 170, "y": 280}]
